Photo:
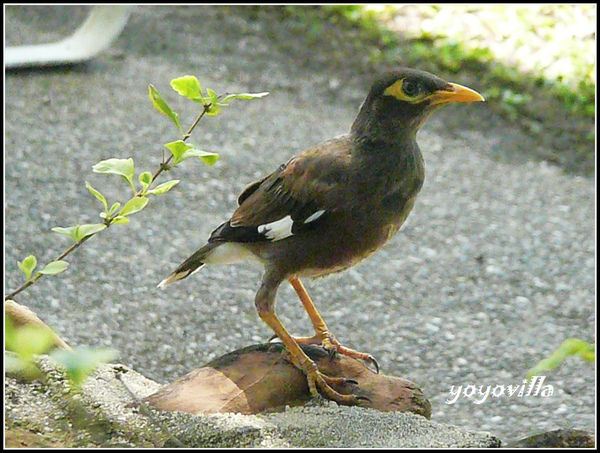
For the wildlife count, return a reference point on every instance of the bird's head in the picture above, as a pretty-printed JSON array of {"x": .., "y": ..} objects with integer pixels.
[{"x": 400, "y": 101}]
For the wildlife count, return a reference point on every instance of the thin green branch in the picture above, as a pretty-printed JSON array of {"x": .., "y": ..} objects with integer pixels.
[
  {"x": 39, "y": 275},
  {"x": 163, "y": 167},
  {"x": 165, "y": 164}
]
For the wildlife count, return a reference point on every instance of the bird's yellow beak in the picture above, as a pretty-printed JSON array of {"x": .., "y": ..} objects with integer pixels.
[{"x": 455, "y": 93}]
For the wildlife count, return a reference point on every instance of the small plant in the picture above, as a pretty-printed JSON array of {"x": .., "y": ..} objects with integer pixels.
[
  {"x": 570, "y": 348},
  {"x": 119, "y": 212},
  {"x": 28, "y": 341}
]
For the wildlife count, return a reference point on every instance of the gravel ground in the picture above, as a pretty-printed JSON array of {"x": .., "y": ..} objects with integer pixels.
[{"x": 493, "y": 270}]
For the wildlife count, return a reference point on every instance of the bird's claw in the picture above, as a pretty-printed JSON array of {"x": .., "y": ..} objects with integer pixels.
[
  {"x": 336, "y": 347},
  {"x": 324, "y": 383},
  {"x": 374, "y": 362},
  {"x": 333, "y": 347}
]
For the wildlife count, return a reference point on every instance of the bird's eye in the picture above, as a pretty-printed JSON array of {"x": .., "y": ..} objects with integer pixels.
[
  {"x": 410, "y": 89},
  {"x": 406, "y": 90}
]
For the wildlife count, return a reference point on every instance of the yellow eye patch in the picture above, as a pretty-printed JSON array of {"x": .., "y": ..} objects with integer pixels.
[{"x": 397, "y": 90}]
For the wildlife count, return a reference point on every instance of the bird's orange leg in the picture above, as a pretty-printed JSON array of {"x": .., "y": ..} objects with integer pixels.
[
  {"x": 322, "y": 335},
  {"x": 265, "y": 299}
]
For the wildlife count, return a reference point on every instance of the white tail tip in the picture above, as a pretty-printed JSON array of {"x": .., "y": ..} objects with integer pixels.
[{"x": 170, "y": 279}]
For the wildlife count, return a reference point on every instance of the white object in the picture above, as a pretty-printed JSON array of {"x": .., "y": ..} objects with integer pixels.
[{"x": 101, "y": 27}]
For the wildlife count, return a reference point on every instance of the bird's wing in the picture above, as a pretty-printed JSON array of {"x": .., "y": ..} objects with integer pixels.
[{"x": 297, "y": 196}]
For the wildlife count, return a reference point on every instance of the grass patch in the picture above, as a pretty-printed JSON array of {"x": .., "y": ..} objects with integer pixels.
[
  {"x": 536, "y": 63},
  {"x": 553, "y": 44}
]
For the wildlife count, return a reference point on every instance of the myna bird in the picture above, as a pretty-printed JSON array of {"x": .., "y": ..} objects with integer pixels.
[{"x": 331, "y": 206}]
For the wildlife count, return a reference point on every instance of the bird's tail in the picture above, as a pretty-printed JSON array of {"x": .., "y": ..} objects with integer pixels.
[{"x": 189, "y": 266}]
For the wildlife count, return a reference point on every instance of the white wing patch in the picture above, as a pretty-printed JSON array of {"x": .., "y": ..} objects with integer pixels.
[
  {"x": 282, "y": 228},
  {"x": 278, "y": 230}
]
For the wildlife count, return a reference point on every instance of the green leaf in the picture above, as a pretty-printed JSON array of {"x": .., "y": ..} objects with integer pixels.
[
  {"x": 188, "y": 86},
  {"x": 164, "y": 187},
  {"x": 212, "y": 96},
  {"x": 205, "y": 156},
  {"x": 97, "y": 194},
  {"x": 119, "y": 220},
  {"x": 214, "y": 110},
  {"x": 182, "y": 151},
  {"x": 25, "y": 342},
  {"x": 28, "y": 265},
  {"x": 121, "y": 167},
  {"x": 229, "y": 97},
  {"x": 81, "y": 362},
  {"x": 78, "y": 232},
  {"x": 134, "y": 205},
  {"x": 30, "y": 340},
  {"x": 177, "y": 148},
  {"x": 68, "y": 231},
  {"x": 145, "y": 179},
  {"x": 55, "y": 267},
  {"x": 160, "y": 105},
  {"x": 88, "y": 229},
  {"x": 213, "y": 101},
  {"x": 9, "y": 328},
  {"x": 570, "y": 347},
  {"x": 113, "y": 208}
]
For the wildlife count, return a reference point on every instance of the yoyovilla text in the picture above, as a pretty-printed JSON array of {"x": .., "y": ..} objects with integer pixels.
[{"x": 532, "y": 388}]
